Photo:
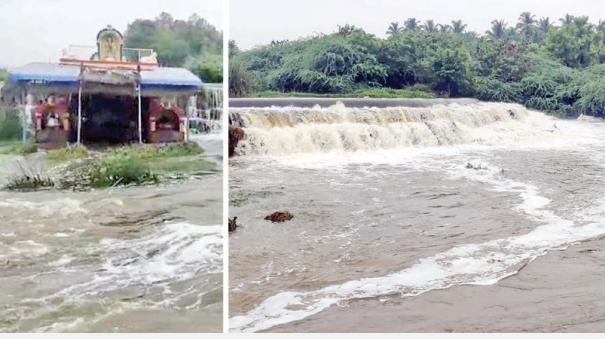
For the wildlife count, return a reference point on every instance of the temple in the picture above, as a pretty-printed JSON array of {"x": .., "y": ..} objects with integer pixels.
[{"x": 104, "y": 93}]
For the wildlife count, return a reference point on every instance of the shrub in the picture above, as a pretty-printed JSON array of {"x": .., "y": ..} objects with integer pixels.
[
  {"x": 10, "y": 124},
  {"x": 121, "y": 170},
  {"x": 67, "y": 153}
]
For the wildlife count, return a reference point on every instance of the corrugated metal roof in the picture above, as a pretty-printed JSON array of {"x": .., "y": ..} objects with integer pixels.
[
  {"x": 39, "y": 71},
  {"x": 159, "y": 77},
  {"x": 170, "y": 76}
]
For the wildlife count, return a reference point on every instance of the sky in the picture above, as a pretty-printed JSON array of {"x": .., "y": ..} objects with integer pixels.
[
  {"x": 258, "y": 22},
  {"x": 38, "y": 30}
]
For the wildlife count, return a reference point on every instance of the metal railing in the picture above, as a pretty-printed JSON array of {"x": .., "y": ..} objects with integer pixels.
[{"x": 86, "y": 52}]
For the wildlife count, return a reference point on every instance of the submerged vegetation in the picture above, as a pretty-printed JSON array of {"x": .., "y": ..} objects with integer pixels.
[
  {"x": 554, "y": 67},
  {"x": 80, "y": 168}
]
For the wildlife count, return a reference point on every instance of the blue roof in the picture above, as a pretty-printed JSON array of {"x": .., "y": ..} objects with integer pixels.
[
  {"x": 39, "y": 71},
  {"x": 169, "y": 76},
  {"x": 69, "y": 74}
]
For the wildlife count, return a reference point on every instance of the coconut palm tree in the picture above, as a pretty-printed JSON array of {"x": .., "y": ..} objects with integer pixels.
[
  {"x": 394, "y": 29},
  {"x": 567, "y": 19},
  {"x": 458, "y": 27},
  {"x": 444, "y": 28},
  {"x": 526, "y": 25},
  {"x": 581, "y": 23},
  {"x": 429, "y": 26},
  {"x": 410, "y": 24},
  {"x": 544, "y": 24},
  {"x": 498, "y": 29},
  {"x": 601, "y": 29}
]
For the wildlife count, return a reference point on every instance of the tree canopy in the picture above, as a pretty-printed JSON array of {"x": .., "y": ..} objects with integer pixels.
[
  {"x": 552, "y": 65},
  {"x": 193, "y": 43}
]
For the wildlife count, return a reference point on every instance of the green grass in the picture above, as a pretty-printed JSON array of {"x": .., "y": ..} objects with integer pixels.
[
  {"x": 362, "y": 93},
  {"x": 28, "y": 182},
  {"x": 17, "y": 147},
  {"x": 67, "y": 153},
  {"x": 194, "y": 165},
  {"x": 114, "y": 166},
  {"x": 121, "y": 170},
  {"x": 147, "y": 164},
  {"x": 150, "y": 151}
]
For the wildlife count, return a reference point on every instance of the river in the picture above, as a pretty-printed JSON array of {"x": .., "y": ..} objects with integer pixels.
[
  {"x": 137, "y": 259},
  {"x": 399, "y": 200}
]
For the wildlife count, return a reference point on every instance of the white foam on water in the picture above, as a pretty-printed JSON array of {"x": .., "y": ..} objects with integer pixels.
[
  {"x": 339, "y": 131},
  {"x": 157, "y": 262},
  {"x": 64, "y": 207},
  {"x": 477, "y": 264}
]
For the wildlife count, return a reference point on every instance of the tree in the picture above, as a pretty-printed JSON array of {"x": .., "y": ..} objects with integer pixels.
[
  {"x": 526, "y": 26},
  {"x": 601, "y": 30},
  {"x": 450, "y": 70},
  {"x": 497, "y": 30},
  {"x": 444, "y": 28},
  {"x": 239, "y": 83},
  {"x": 429, "y": 26},
  {"x": 544, "y": 25},
  {"x": 411, "y": 24},
  {"x": 394, "y": 29},
  {"x": 567, "y": 19},
  {"x": 458, "y": 27},
  {"x": 192, "y": 43},
  {"x": 573, "y": 43}
]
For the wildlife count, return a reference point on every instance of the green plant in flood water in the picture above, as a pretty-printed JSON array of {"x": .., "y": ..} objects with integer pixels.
[
  {"x": 27, "y": 182},
  {"x": 158, "y": 151},
  {"x": 121, "y": 170},
  {"x": 67, "y": 153},
  {"x": 16, "y": 147},
  {"x": 28, "y": 179},
  {"x": 10, "y": 124}
]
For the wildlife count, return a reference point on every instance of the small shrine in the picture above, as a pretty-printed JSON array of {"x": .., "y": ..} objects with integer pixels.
[{"x": 108, "y": 93}]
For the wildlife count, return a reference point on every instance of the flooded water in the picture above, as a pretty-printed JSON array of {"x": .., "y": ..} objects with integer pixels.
[
  {"x": 124, "y": 259},
  {"x": 391, "y": 203}
]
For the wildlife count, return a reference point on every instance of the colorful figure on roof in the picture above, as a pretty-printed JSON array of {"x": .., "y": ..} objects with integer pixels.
[{"x": 110, "y": 44}]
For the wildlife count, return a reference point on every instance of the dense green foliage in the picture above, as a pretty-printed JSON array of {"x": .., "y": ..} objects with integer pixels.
[
  {"x": 3, "y": 74},
  {"x": 558, "y": 68},
  {"x": 194, "y": 44},
  {"x": 10, "y": 124}
]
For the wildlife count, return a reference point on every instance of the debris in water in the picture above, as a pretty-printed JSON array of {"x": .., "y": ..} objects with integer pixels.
[
  {"x": 232, "y": 224},
  {"x": 235, "y": 135},
  {"x": 476, "y": 165},
  {"x": 279, "y": 216}
]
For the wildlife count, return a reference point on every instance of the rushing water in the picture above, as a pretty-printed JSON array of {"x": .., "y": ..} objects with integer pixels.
[
  {"x": 125, "y": 259},
  {"x": 394, "y": 202}
]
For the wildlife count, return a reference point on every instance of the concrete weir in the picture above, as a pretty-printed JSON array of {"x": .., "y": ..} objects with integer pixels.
[{"x": 348, "y": 102}]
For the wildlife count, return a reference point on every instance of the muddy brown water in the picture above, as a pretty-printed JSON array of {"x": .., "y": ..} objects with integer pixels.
[
  {"x": 144, "y": 259},
  {"x": 395, "y": 218}
]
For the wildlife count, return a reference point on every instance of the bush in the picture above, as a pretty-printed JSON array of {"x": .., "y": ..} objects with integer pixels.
[
  {"x": 121, "y": 170},
  {"x": 492, "y": 89},
  {"x": 67, "y": 153},
  {"x": 592, "y": 99},
  {"x": 10, "y": 125},
  {"x": 17, "y": 147},
  {"x": 158, "y": 151}
]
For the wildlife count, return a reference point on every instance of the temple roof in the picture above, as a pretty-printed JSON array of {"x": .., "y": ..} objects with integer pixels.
[{"x": 161, "y": 77}]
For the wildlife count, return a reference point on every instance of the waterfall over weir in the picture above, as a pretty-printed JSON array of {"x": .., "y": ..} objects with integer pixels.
[{"x": 365, "y": 124}]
